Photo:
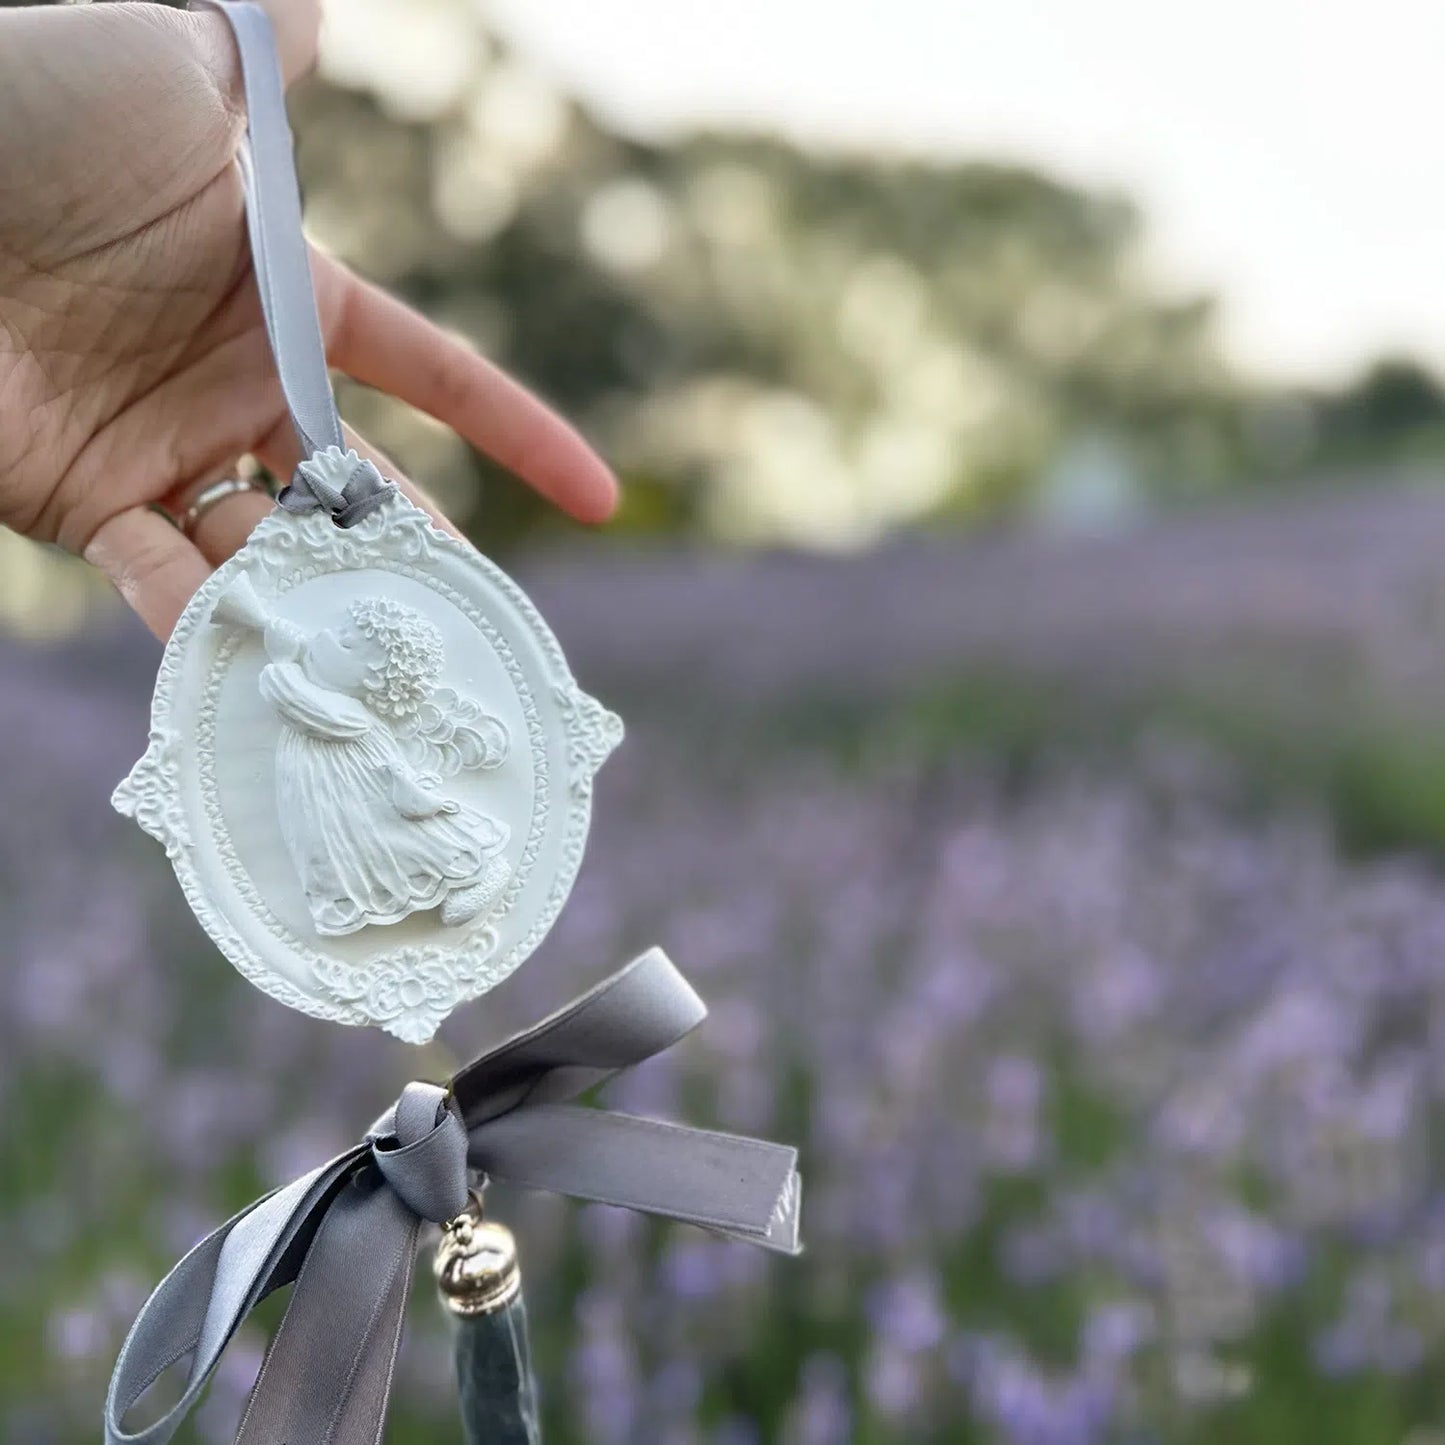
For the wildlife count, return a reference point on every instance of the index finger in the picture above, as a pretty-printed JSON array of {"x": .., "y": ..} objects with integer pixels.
[{"x": 382, "y": 342}]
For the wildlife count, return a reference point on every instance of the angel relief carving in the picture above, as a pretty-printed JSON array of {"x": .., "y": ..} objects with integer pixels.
[{"x": 367, "y": 741}]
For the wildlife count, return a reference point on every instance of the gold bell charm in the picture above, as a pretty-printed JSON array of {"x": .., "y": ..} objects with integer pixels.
[{"x": 476, "y": 1264}]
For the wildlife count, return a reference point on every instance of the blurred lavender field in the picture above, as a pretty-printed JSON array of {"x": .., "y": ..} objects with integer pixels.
[{"x": 1116, "y": 1084}]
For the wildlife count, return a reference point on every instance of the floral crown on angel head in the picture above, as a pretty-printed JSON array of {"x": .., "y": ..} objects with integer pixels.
[{"x": 413, "y": 649}]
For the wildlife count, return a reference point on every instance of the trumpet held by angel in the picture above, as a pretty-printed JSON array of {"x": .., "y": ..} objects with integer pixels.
[{"x": 368, "y": 740}]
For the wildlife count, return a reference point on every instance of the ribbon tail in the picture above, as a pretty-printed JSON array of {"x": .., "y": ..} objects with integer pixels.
[
  {"x": 639, "y": 1011},
  {"x": 748, "y": 1189},
  {"x": 197, "y": 1308},
  {"x": 327, "y": 1375}
]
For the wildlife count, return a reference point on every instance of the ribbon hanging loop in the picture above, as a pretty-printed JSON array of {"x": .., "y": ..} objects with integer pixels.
[{"x": 348, "y": 488}]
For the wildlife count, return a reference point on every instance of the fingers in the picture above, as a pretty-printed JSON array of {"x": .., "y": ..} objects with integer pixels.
[
  {"x": 153, "y": 567},
  {"x": 384, "y": 343}
]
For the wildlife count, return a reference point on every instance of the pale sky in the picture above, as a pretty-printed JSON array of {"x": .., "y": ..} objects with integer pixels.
[{"x": 1287, "y": 152}]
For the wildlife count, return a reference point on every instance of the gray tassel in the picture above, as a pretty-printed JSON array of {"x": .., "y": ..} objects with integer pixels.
[{"x": 480, "y": 1284}]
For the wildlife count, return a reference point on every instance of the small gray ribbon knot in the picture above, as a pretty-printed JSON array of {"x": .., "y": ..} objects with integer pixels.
[
  {"x": 346, "y": 1233},
  {"x": 341, "y": 483}
]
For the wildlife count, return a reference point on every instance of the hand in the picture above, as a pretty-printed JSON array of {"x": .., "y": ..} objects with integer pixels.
[{"x": 134, "y": 366}]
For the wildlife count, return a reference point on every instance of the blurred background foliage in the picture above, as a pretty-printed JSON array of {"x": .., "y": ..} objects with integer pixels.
[
  {"x": 781, "y": 346},
  {"x": 1035, "y": 758}
]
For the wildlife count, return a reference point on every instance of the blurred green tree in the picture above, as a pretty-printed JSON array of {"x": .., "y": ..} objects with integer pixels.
[{"x": 773, "y": 345}]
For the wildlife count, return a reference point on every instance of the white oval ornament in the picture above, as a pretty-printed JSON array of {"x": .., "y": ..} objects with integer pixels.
[{"x": 370, "y": 767}]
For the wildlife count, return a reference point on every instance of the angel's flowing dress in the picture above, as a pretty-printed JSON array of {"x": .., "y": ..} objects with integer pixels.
[{"x": 344, "y": 790}]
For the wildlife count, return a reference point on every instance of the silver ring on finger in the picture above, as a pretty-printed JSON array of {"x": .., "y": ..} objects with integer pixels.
[{"x": 208, "y": 496}]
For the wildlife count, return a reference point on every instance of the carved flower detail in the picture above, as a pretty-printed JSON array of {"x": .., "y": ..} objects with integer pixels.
[{"x": 409, "y": 993}]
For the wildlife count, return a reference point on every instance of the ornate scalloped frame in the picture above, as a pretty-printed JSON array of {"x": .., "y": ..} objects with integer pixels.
[{"x": 171, "y": 790}]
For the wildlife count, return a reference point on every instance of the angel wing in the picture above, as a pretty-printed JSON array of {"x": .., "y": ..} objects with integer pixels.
[{"x": 448, "y": 733}]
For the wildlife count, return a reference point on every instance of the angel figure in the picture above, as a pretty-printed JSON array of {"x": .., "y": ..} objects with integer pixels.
[{"x": 367, "y": 740}]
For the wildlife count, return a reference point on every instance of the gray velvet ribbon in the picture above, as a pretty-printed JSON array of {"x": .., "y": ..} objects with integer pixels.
[
  {"x": 346, "y": 1233},
  {"x": 283, "y": 273}
]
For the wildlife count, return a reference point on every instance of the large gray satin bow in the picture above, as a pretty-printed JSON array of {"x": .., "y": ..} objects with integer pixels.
[{"x": 347, "y": 1232}]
